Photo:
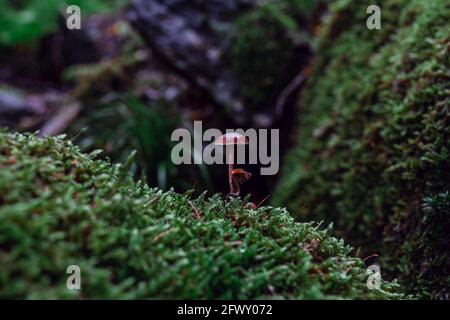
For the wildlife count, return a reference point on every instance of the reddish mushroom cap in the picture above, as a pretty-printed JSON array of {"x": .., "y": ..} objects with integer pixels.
[{"x": 231, "y": 138}]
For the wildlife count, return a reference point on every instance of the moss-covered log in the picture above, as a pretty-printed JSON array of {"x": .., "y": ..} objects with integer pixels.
[
  {"x": 59, "y": 207},
  {"x": 373, "y": 139}
]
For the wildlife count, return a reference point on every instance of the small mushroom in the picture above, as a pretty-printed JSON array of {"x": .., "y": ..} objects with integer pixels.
[
  {"x": 250, "y": 205},
  {"x": 234, "y": 179}
]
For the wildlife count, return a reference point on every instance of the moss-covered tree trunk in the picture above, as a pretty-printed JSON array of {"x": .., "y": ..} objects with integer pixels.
[{"x": 373, "y": 146}]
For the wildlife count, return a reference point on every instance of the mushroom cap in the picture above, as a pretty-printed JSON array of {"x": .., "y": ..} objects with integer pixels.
[{"x": 231, "y": 138}]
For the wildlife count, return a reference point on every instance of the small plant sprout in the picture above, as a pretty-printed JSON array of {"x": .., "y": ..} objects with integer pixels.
[
  {"x": 235, "y": 176},
  {"x": 238, "y": 177}
]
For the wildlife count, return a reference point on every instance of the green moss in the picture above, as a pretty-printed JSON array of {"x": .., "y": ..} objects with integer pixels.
[
  {"x": 28, "y": 20},
  {"x": 59, "y": 207},
  {"x": 374, "y": 136}
]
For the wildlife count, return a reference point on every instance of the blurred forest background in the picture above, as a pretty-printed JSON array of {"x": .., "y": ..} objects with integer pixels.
[{"x": 138, "y": 70}]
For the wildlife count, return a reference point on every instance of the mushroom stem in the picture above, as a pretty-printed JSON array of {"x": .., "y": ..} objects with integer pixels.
[
  {"x": 230, "y": 169},
  {"x": 230, "y": 179}
]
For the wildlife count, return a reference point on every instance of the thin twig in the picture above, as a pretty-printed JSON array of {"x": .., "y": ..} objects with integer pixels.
[
  {"x": 294, "y": 84},
  {"x": 349, "y": 268},
  {"x": 196, "y": 214},
  {"x": 162, "y": 234},
  {"x": 233, "y": 243},
  {"x": 262, "y": 201},
  {"x": 153, "y": 200},
  {"x": 61, "y": 120},
  {"x": 371, "y": 256}
]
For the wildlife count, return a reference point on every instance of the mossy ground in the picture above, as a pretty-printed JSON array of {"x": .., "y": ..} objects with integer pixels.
[
  {"x": 373, "y": 138},
  {"x": 60, "y": 207}
]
